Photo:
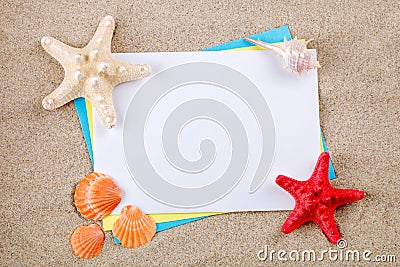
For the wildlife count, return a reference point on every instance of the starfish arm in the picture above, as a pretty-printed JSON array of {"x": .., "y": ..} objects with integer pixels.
[
  {"x": 328, "y": 226},
  {"x": 321, "y": 169},
  {"x": 100, "y": 97},
  {"x": 129, "y": 72},
  {"x": 344, "y": 196},
  {"x": 295, "y": 219},
  {"x": 101, "y": 40},
  {"x": 289, "y": 184},
  {"x": 61, "y": 52},
  {"x": 66, "y": 92}
]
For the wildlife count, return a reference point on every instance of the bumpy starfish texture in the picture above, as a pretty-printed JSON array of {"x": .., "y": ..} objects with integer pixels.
[
  {"x": 91, "y": 72},
  {"x": 317, "y": 200}
]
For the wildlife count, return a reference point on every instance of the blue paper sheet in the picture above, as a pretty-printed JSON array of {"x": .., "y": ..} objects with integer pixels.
[
  {"x": 272, "y": 36},
  {"x": 331, "y": 174},
  {"x": 80, "y": 106}
]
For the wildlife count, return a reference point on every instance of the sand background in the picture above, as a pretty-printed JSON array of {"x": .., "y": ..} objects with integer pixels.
[{"x": 43, "y": 153}]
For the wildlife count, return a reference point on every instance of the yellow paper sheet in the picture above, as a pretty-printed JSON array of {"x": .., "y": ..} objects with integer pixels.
[{"x": 108, "y": 221}]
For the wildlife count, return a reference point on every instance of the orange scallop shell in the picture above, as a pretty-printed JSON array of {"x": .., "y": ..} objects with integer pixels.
[
  {"x": 87, "y": 241},
  {"x": 96, "y": 196},
  {"x": 134, "y": 228}
]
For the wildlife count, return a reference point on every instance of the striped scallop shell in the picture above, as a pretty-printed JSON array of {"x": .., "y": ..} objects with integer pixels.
[
  {"x": 294, "y": 52},
  {"x": 87, "y": 241},
  {"x": 96, "y": 196},
  {"x": 134, "y": 228}
]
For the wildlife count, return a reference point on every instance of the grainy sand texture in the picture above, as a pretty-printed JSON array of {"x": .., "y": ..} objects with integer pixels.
[{"x": 43, "y": 153}]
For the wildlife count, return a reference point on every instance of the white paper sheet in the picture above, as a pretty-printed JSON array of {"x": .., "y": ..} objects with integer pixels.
[{"x": 171, "y": 174}]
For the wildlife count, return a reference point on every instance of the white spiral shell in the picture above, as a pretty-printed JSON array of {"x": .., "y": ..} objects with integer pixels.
[{"x": 294, "y": 52}]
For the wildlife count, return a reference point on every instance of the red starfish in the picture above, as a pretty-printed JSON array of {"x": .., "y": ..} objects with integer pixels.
[{"x": 316, "y": 200}]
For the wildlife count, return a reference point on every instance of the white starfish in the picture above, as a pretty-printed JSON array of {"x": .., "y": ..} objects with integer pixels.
[{"x": 91, "y": 72}]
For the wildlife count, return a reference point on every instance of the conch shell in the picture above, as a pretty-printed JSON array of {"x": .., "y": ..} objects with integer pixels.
[
  {"x": 87, "y": 241},
  {"x": 294, "y": 52},
  {"x": 134, "y": 228},
  {"x": 96, "y": 196}
]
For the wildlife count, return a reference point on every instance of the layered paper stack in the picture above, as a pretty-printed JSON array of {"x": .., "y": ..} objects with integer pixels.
[{"x": 168, "y": 220}]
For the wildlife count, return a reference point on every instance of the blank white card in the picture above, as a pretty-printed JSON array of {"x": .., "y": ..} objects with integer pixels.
[{"x": 210, "y": 132}]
